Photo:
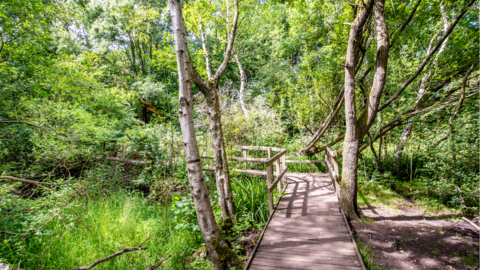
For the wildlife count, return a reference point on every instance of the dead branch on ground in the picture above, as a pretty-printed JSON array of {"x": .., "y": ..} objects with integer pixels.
[
  {"x": 125, "y": 250},
  {"x": 39, "y": 184},
  {"x": 155, "y": 266}
]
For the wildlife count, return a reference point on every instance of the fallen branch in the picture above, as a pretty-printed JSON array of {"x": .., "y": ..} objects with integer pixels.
[
  {"x": 155, "y": 266},
  {"x": 33, "y": 231},
  {"x": 26, "y": 181},
  {"x": 39, "y": 184},
  {"x": 471, "y": 223},
  {"x": 139, "y": 247}
]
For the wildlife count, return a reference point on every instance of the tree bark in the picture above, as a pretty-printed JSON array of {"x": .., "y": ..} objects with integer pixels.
[
  {"x": 357, "y": 129},
  {"x": 241, "y": 94},
  {"x": 209, "y": 88},
  {"x": 134, "y": 61},
  {"x": 222, "y": 256},
  {"x": 220, "y": 157},
  {"x": 348, "y": 188}
]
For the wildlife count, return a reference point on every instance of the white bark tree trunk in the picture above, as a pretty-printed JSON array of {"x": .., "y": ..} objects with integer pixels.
[
  {"x": 222, "y": 256},
  {"x": 243, "y": 78},
  {"x": 209, "y": 89}
]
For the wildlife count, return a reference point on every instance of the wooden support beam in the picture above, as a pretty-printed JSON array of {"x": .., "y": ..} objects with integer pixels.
[
  {"x": 284, "y": 166},
  {"x": 278, "y": 167},
  {"x": 244, "y": 156},
  {"x": 261, "y": 148},
  {"x": 306, "y": 161},
  {"x": 331, "y": 152},
  {"x": 280, "y": 177},
  {"x": 269, "y": 181},
  {"x": 271, "y": 160}
]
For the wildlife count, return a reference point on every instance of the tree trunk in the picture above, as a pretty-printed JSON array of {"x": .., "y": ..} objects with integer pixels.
[
  {"x": 210, "y": 90},
  {"x": 134, "y": 61},
  {"x": 348, "y": 188},
  {"x": 222, "y": 256},
  {"x": 241, "y": 95},
  {"x": 220, "y": 157},
  {"x": 357, "y": 129}
]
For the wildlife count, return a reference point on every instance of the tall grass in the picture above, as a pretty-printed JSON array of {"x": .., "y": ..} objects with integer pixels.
[
  {"x": 118, "y": 221},
  {"x": 251, "y": 198}
]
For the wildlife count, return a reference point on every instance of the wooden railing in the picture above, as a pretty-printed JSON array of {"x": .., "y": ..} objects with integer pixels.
[
  {"x": 274, "y": 179},
  {"x": 122, "y": 158},
  {"x": 332, "y": 168}
]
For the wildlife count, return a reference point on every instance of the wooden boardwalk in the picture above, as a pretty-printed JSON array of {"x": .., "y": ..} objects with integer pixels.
[{"x": 307, "y": 229}]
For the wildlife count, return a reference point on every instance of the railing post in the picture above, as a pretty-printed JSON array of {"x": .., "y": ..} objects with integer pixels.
[
  {"x": 269, "y": 181},
  {"x": 278, "y": 172},
  {"x": 284, "y": 165},
  {"x": 327, "y": 160},
  {"x": 245, "y": 156},
  {"x": 335, "y": 165}
]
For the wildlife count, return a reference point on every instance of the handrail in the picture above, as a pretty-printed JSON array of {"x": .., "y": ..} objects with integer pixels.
[
  {"x": 274, "y": 158},
  {"x": 332, "y": 168},
  {"x": 331, "y": 151},
  {"x": 305, "y": 161},
  {"x": 261, "y": 148},
  {"x": 253, "y": 160},
  {"x": 279, "y": 178},
  {"x": 278, "y": 160}
]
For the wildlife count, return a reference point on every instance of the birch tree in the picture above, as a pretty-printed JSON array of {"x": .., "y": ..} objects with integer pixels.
[
  {"x": 222, "y": 256},
  {"x": 209, "y": 88}
]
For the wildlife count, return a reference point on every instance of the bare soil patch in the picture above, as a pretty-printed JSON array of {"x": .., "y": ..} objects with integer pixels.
[{"x": 407, "y": 239}]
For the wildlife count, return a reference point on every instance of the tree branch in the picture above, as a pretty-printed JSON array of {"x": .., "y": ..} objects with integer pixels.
[
  {"x": 26, "y": 123},
  {"x": 155, "y": 266},
  {"x": 125, "y": 250},
  {"x": 462, "y": 97},
  {"x": 231, "y": 38},
  {"x": 404, "y": 25},
  {"x": 39, "y": 184},
  {"x": 424, "y": 63}
]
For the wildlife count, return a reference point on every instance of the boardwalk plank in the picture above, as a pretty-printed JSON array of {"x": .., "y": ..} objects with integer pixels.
[
  {"x": 256, "y": 266},
  {"x": 305, "y": 264},
  {"x": 347, "y": 260},
  {"x": 307, "y": 230}
]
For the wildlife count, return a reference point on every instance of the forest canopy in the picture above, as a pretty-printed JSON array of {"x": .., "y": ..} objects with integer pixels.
[{"x": 96, "y": 95}]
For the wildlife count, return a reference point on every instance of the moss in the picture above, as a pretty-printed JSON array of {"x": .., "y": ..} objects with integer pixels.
[
  {"x": 226, "y": 257},
  {"x": 227, "y": 224}
]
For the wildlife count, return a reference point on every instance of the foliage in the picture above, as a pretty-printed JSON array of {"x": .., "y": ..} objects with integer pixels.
[
  {"x": 119, "y": 220},
  {"x": 77, "y": 74}
]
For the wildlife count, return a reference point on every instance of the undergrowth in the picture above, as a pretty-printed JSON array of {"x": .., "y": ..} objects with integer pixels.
[
  {"x": 122, "y": 219},
  {"x": 113, "y": 219}
]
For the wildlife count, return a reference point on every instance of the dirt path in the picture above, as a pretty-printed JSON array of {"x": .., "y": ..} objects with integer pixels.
[{"x": 406, "y": 239}]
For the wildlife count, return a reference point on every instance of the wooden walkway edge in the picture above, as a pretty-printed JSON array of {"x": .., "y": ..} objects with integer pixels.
[{"x": 307, "y": 229}]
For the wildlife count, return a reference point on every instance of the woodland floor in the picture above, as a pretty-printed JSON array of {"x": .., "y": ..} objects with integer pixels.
[{"x": 405, "y": 238}]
